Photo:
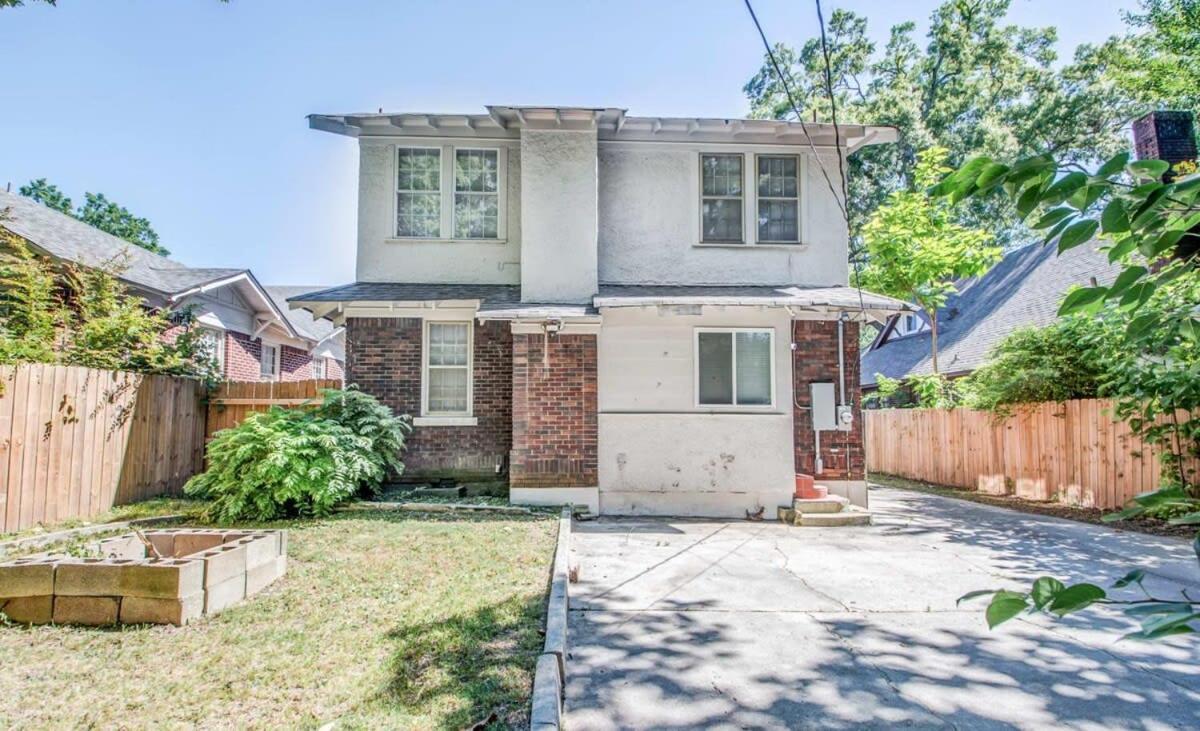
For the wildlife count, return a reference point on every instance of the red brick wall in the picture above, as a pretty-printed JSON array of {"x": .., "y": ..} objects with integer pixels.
[
  {"x": 554, "y": 412},
  {"x": 383, "y": 356},
  {"x": 815, "y": 358},
  {"x": 242, "y": 357}
]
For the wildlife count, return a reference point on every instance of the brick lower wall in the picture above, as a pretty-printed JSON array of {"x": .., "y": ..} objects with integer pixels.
[
  {"x": 242, "y": 355},
  {"x": 554, "y": 412},
  {"x": 383, "y": 357},
  {"x": 815, "y": 361}
]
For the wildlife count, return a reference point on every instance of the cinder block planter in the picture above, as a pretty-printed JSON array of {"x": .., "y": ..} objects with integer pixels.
[{"x": 196, "y": 572}]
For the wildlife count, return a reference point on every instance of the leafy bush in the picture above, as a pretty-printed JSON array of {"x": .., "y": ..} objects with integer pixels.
[
  {"x": 366, "y": 417},
  {"x": 301, "y": 462}
]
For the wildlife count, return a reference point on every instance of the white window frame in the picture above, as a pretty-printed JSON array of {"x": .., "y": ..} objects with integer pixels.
[
  {"x": 732, "y": 354},
  {"x": 744, "y": 240},
  {"x": 447, "y": 192},
  {"x": 219, "y": 355},
  {"x": 262, "y": 353},
  {"x": 318, "y": 361},
  {"x": 799, "y": 199},
  {"x": 425, "y": 367},
  {"x": 902, "y": 330}
]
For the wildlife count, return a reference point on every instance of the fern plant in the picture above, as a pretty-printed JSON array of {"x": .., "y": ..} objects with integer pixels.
[{"x": 366, "y": 417}]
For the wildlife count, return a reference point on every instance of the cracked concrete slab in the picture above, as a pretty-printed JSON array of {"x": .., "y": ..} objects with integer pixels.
[{"x": 715, "y": 624}]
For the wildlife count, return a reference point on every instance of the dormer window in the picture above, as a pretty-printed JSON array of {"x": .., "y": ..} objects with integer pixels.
[
  {"x": 449, "y": 193},
  {"x": 909, "y": 324}
]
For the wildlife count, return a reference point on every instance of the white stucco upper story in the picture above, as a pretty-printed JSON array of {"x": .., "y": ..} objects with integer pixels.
[{"x": 560, "y": 199}]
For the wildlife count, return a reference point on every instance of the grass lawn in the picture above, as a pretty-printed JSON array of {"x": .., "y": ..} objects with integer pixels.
[
  {"x": 152, "y": 508},
  {"x": 383, "y": 620}
]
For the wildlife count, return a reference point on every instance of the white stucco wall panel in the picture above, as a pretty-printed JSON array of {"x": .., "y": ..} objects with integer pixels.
[
  {"x": 558, "y": 215},
  {"x": 660, "y": 453},
  {"x": 649, "y": 226},
  {"x": 694, "y": 464},
  {"x": 383, "y": 258},
  {"x": 226, "y": 311}
]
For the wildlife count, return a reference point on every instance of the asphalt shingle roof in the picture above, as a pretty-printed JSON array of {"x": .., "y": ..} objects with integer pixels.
[
  {"x": 68, "y": 239},
  {"x": 1024, "y": 289}
]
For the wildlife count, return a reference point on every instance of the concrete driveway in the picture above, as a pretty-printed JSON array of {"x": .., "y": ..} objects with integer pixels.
[{"x": 721, "y": 624}]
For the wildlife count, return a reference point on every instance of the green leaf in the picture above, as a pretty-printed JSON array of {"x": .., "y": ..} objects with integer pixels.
[
  {"x": 1115, "y": 164},
  {"x": 1179, "y": 629},
  {"x": 1137, "y": 294},
  {"x": 1075, "y": 598},
  {"x": 1053, "y": 216},
  {"x": 1155, "y": 608},
  {"x": 1188, "y": 519},
  {"x": 1076, "y": 234},
  {"x": 1080, "y": 298},
  {"x": 1044, "y": 590},
  {"x": 992, "y": 175},
  {"x": 1133, "y": 577},
  {"x": 1125, "y": 279},
  {"x": 974, "y": 595},
  {"x": 1148, "y": 168},
  {"x": 1123, "y": 248},
  {"x": 1113, "y": 220},
  {"x": 1132, "y": 511},
  {"x": 1005, "y": 605},
  {"x": 1064, "y": 187},
  {"x": 1029, "y": 200},
  {"x": 1190, "y": 329}
]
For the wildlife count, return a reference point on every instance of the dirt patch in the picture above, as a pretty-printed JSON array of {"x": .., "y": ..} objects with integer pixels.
[{"x": 1056, "y": 510}]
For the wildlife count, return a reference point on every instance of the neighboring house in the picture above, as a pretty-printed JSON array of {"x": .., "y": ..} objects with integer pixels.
[
  {"x": 635, "y": 313},
  {"x": 1023, "y": 290},
  {"x": 250, "y": 330}
]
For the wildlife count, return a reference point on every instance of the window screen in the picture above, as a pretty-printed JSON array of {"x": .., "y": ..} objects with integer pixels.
[{"x": 721, "y": 198}]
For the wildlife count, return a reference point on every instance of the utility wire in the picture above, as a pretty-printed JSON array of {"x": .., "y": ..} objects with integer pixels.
[{"x": 842, "y": 198}]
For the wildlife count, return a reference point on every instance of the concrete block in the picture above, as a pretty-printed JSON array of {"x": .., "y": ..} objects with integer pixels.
[
  {"x": 830, "y": 504},
  {"x": 834, "y": 520},
  {"x": 222, "y": 563},
  {"x": 225, "y": 594},
  {"x": 163, "y": 542},
  {"x": 95, "y": 611},
  {"x": 89, "y": 576},
  {"x": 260, "y": 549},
  {"x": 168, "y": 578},
  {"x": 186, "y": 544},
  {"x": 261, "y": 576},
  {"x": 146, "y": 610},
  {"x": 547, "y": 694},
  {"x": 26, "y": 577},
  {"x": 283, "y": 542},
  {"x": 129, "y": 546},
  {"x": 29, "y": 609}
]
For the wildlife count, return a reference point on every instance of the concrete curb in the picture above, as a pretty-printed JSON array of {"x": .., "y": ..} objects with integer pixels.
[
  {"x": 550, "y": 677},
  {"x": 436, "y": 508},
  {"x": 47, "y": 539}
]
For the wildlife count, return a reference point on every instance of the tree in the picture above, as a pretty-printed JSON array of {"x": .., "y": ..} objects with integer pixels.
[
  {"x": 1160, "y": 65},
  {"x": 978, "y": 86},
  {"x": 97, "y": 210},
  {"x": 1156, "y": 357},
  {"x": 915, "y": 249}
]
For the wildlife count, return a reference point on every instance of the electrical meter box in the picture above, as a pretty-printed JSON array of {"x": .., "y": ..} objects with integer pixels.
[{"x": 824, "y": 407}]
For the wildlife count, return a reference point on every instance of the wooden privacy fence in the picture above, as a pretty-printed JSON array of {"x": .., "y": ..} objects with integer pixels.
[
  {"x": 234, "y": 400},
  {"x": 1072, "y": 452},
  {"x": 76, "y": 441}
]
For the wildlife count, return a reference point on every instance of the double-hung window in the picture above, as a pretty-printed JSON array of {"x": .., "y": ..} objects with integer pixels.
[
  {"x": 721, "y": 199},
  {"x": 778, "y": 199},
  {"x": 268, "y": 362},
  {"x": 212, "y": 346},
  {"x": 419, "y": 192},
  {"x": 734, "y": 367},
  {"x": 447, "y": 368},
  {"x": 449, "y": 193},
  {"x": 318, "y": 367}
]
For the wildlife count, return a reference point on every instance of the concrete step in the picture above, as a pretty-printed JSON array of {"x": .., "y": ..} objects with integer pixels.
[
  {"x": 828, "y": 504},
  {"x": 851, "y": 516}
]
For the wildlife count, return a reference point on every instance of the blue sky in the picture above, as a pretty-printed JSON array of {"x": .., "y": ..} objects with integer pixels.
[{"x": 191, "y": 112}]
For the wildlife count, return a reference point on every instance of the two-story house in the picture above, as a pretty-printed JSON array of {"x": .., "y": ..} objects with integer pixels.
[{"x": 647, "y": 315}]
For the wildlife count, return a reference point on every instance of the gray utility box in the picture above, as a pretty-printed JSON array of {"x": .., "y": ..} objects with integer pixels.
[{"x": 824, "y": 407}]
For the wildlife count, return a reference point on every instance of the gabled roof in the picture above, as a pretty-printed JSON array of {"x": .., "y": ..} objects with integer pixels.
[
  {"x": 69, "y": 239},
  {"x": 301, "y": 320},
  {"x": 1023, "y": 290}
]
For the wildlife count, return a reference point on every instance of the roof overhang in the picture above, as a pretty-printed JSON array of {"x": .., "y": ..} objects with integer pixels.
[
  {"x": 612, "y": 124},
  {"x": 248, "y": 287}
]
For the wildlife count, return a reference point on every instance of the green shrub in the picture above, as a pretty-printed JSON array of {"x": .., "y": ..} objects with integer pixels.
[
  {"x": 365, "y": 416},
  {"x": 301, "y": 462}
]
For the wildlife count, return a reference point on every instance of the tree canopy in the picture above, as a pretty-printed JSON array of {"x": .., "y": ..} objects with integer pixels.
[{"x": 97, "y": 210}]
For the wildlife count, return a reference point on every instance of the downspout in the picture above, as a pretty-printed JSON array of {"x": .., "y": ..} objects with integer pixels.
[{"x": 841, "y": 362}]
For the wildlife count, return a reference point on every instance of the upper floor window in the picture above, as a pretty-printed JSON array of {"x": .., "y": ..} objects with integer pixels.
[
  {"x": 909, "y": 324},
  {"x": 449, "y": 192},
  {"x": 779, "y": 199},
  {"x": 721, "y": 199},
  {"x": 419, "y": 193}
]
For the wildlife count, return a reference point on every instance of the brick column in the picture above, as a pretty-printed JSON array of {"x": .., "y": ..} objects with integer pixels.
[
  {"x": 554, "y": 424},
  {"x": 815, "y": 361}
]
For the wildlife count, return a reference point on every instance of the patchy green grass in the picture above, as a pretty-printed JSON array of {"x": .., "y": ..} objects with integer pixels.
[
  {"x": 152, "y": 508},
  {"x": 383, "y": 620}
]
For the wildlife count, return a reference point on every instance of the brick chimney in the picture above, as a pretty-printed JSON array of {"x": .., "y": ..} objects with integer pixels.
[{"x": 1165, "y": 136}]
